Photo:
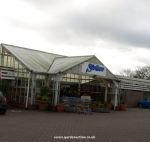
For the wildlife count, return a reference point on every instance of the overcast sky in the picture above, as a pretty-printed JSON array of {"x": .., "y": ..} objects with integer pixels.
[{"x": 116, "y": 31}]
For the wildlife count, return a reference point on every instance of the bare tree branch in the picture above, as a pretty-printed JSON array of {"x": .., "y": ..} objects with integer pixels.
[{"x": 140, "y": 72}]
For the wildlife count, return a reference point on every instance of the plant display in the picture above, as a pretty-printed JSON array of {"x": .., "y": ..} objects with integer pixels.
[
  {"x": 44, "y": 94},
  {"x": 43, "y": 98}
]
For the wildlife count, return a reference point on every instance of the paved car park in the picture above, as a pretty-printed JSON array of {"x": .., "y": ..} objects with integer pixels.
[{"x": 35, "y": 126}]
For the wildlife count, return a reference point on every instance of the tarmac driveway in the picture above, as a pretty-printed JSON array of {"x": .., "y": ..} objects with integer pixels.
[{"x": 35, "y": 126}]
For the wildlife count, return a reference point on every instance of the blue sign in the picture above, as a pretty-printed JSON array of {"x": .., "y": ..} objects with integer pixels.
[{"x": 92, "y": 67}]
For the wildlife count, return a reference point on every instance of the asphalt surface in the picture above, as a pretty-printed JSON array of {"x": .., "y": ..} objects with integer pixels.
[{"x": 36, "y": 126}]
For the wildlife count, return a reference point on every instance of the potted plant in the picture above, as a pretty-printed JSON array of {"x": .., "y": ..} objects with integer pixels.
[
  {"x": 123, "y": 105},
  {"x": 60, "y": 107},
  {"x": 43, "y": 99}
]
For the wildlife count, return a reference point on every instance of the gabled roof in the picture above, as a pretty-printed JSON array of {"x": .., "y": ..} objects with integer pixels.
[
  {"x": 65, "y": 63},
  {"x": 34, "y": 60},
  {"x": 43, "y": 62}
]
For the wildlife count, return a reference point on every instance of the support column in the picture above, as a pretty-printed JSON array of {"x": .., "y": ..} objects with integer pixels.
[
  {"x": 28, "y": 89},
  {"x": 47, "y": 80},
  {"x": 2, "y": 57},
  {"x": 116, "y": 94},
  {"x": 57, "y": 88},
  {"x": 106, "y": 93},
  {"x": 56, "y": 95},
  {"x": 79, "y": 85},
  {"x": 33, "y": 86}
]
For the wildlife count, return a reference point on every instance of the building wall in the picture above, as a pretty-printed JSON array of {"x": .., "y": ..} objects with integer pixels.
[
  {"x": 78, "y": 69},
  {"x": 132, "y": 97}
]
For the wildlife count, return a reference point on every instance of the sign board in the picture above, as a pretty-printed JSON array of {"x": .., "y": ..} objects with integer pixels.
[
  {"x": 7, "y": 74},
  {"x": 93, "y": 69}
]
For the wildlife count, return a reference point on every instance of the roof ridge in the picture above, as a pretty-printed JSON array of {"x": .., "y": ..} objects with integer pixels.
[
  {"x": 77, "y": 56},
  {"x": 72, "y": 65},
  {"x": 29, "y": 49},
  {"x": 82, "y": 56},
  {"x": 53, "y": 62}
]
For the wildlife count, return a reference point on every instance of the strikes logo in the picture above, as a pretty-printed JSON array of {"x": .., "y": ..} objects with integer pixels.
[{"x": 92, "y": 67}]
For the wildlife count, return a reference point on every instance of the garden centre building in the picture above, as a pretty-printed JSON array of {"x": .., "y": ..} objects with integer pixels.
[{"x": 24, "y": 71}]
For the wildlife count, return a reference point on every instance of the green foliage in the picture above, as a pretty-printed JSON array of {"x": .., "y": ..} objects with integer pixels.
[
  {"x": 44, "y": 98},
  {"x": 44, "y": 94},
  {"x": 44, "y": 91}
]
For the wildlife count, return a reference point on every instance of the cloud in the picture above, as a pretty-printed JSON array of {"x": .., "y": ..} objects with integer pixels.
[
  {"x": 117, "y": 32},
  {"x": 75, "y": 22},
  {"x": 119, "y": 23},
  {"x": 46, "y": 3}
]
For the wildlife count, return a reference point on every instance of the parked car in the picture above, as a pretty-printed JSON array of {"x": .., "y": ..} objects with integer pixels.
[
  {"x": 144, "y": 103},
  {"x": 3, "y": 104}
]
